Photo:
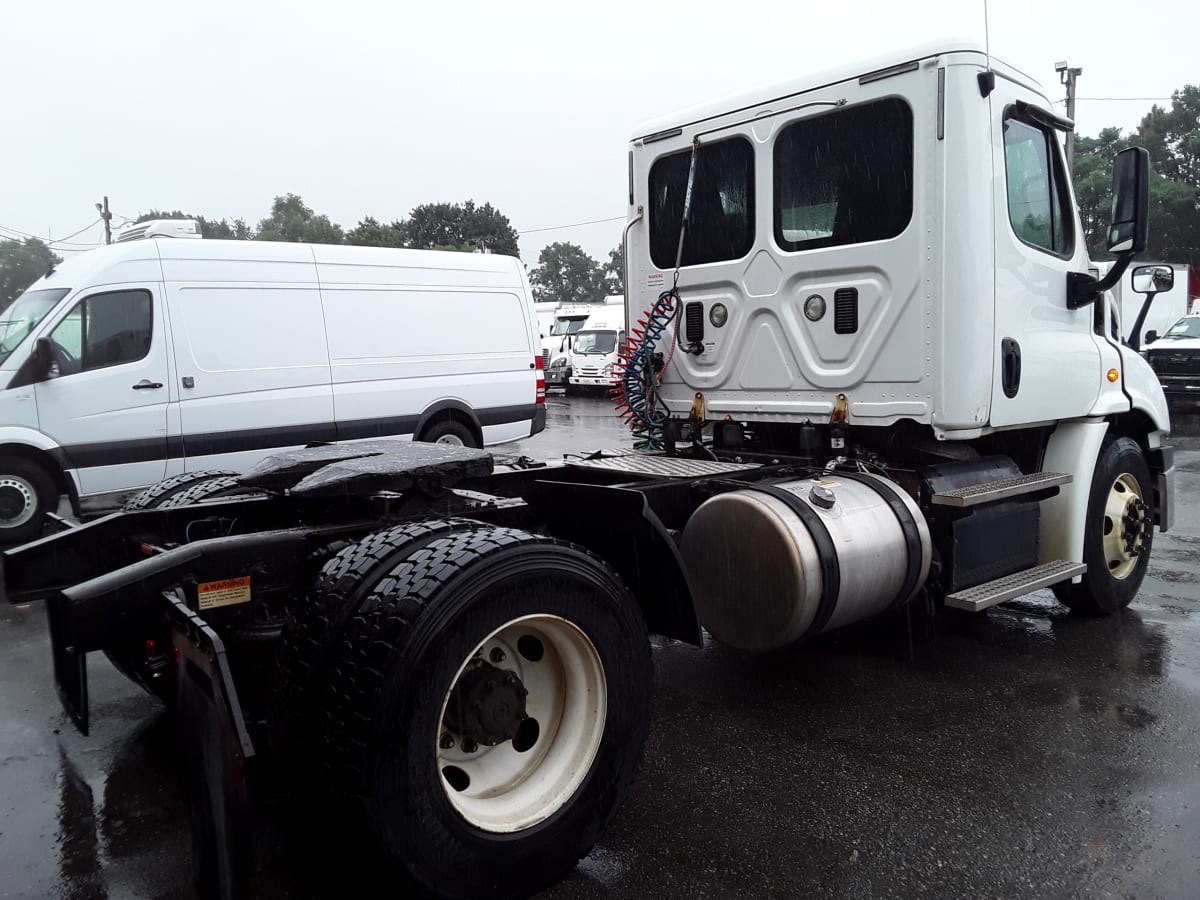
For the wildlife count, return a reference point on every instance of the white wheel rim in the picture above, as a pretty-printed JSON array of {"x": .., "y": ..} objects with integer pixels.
[
  {"x": 508, "y": 790},
  {"x": 452, "y": 439},
  {"x": 27, "y": 495},
  {"x": 1126, "y": 519}
]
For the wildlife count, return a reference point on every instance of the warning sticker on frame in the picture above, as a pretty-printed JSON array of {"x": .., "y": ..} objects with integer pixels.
[
  {"x": 224, "y": 593},
  {"x": 656, "y": 280}
]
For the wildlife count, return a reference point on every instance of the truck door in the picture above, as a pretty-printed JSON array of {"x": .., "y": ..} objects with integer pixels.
[
  {"x": 1046, "y": 361},
  {"x": 106, "y": 400}
]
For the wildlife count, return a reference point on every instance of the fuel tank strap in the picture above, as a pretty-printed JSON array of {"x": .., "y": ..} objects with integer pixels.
[
  {"x": 908, "y": 525},
  {"x": 831, "y": 573}
]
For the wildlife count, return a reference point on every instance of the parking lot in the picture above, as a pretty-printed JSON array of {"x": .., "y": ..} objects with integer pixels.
[{"x": 1022, "y": 752}]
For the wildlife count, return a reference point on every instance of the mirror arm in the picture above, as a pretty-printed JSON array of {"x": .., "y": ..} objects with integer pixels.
[
  {"x": 1135, "y": 335},
  {"x": 1083, "y": 289}
]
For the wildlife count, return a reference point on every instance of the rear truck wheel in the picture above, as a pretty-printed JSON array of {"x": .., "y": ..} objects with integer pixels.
[
  {"x": 450, "y": 432},
  {"x": 488, "y": 708},
  {"x": 27, "y": 493},
  {"x": 1118, "y": 534},
  {"x": 316, "y": 621},
  {"x": 154, "y": 496},
  {"x": 147, "y": 660},
  {"x": 227, "y": 486}
]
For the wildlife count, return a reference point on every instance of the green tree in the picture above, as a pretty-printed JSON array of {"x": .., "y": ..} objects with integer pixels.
[
  {"x": 21, "y": 264},
  {"x": 460, "y": 226},
  {"x": 565, "y": 274},
  {"x": 613, "y": 272},
  {"x": 372, "y": 233},
  {"x": 291, "y": 220},
  {"x": 212, "y": 229}
]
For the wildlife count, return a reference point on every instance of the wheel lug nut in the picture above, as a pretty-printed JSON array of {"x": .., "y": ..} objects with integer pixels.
[
  {"x": 497, "y": 655},
  {"x": 469, "y": 746},
  {"x": 447, "y": 741}
]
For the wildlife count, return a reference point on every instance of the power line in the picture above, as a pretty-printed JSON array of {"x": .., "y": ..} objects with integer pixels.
[
  {"x": 572, "y": 225},
  {"x": 67, "y": 240},
  {"x": 1117, "y": 99}
]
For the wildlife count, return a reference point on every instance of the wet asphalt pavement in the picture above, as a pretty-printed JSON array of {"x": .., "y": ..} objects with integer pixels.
[{"x": 1020, "y": 753}]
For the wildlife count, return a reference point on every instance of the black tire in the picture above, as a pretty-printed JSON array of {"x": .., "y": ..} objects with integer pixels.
[
  {"x": 226, "y": 486},
  {"x": 397, "y": 660},
  {"x": 318, "y": 617},
  {"x": 27, "y": 493},
  {"x": 1100, "y": 593},
  {"x": 153, "y": 496},
  {"x": 447, "y": 431}
]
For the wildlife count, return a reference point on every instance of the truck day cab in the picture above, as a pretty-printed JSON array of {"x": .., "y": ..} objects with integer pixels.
[
  {"x": 596, "y": 350},
  {"x": 884, "y": 376}
]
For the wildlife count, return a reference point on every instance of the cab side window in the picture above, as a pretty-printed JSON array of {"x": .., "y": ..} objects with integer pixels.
[
  {"x": 1036, "y": 188},
  {"x": 103, "y": 330}
]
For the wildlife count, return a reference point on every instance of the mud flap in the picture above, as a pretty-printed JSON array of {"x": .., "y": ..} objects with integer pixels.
[
  {"x": 216, "y": 751},
  {"x": 70, "y": 666}
]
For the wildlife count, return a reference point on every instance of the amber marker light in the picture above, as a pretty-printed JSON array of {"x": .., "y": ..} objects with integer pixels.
[{"x": 1113, "y": 375}]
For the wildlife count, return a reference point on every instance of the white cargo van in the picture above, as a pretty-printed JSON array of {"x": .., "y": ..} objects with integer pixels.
[
  {"x": 595, "y": 349},
  {"x": 131, "y": 363}
]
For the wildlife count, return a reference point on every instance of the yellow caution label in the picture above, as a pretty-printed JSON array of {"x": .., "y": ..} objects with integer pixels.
[
  {"x": 224, "y": 593},
  {"x": 829, "y": 483}
]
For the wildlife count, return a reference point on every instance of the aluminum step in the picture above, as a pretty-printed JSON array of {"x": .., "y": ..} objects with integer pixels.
[
  {"x": 662, "y": 466},
  {"x": 1018, "y": 584},
  {"x": 991, "y": 491}
]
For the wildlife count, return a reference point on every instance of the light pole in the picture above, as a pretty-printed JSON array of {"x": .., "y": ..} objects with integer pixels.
[{"x": 1067, "y": 76}]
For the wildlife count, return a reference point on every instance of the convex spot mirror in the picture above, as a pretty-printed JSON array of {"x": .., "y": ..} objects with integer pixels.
[
  {"x": 1153, "y": 279},
  {"x": 1129, "y": 225}
]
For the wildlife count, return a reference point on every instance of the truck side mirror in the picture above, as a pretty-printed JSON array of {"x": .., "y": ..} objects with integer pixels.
[
  {"x": 1151, "y": 336},
  {"x": 1129, "y": 225},
  {"x": 1153, "y": 279}
]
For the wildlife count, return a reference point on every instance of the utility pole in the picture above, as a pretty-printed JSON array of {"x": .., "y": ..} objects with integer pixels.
[
  {"x": 107, "y": 217},
  {"x": 1067, "y": 76}
]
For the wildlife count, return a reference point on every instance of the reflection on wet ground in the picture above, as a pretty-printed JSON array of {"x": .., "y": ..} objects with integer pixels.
[{"x": 1025, "y": 752}]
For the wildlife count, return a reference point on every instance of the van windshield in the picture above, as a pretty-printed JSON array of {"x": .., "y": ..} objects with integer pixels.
[
  {"x": 601, "y": 342},
  {"x": 567, "y": 326},
  {"x": 24, "y": 315}
]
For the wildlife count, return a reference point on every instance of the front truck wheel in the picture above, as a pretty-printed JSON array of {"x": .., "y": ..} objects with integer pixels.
[
  {"x": 491, "y": 704},
  {"x": 1118, "y": 534}
]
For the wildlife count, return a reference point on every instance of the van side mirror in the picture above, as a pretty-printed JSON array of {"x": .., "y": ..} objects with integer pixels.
[
  {"x": 42, "y": 359},
  {"x": 1153, "y": 279},
  {"x": 1151, "y": 336},
  {"x": 1129, "y": 224}
]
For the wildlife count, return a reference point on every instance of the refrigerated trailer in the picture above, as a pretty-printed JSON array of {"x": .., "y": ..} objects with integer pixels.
[{"x": 866, "y": 369}]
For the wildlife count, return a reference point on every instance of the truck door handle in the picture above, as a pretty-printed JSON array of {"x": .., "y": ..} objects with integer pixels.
[
  {"x": 147, "y": 385},
  {"x": 1010, "y": 356}
]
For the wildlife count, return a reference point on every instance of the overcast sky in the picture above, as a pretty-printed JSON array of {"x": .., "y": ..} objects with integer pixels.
[{"x": 371, "y": 108}]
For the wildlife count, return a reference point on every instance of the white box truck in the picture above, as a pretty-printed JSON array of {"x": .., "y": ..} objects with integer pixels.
[
  {"x": 159, "y": 357},
  {"x": 868, "y": 369},
  {"x": 596, "y": 350}
]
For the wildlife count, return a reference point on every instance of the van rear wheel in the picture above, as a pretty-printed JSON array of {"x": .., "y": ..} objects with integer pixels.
[
  {"x": 450, "y": 432},
  {"x": 27, "y": 493}
]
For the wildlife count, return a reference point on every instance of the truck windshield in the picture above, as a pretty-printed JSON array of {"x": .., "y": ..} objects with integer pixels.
[
  {"x": 1184, "y": 328},
  {"x": 568, "y": 326},
  {"x": 601, "y": 342},
  {"x": 25, "y": 314}
]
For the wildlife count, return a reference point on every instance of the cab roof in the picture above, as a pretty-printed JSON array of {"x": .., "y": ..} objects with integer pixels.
[{"x": 782, "y": 90}]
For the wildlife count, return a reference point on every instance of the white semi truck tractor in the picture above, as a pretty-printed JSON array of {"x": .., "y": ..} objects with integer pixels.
[{"x": 866, "y": 367}]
